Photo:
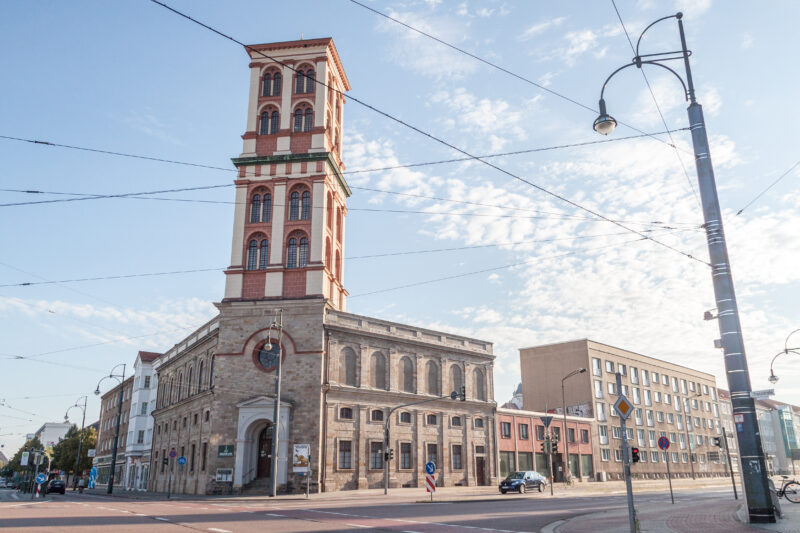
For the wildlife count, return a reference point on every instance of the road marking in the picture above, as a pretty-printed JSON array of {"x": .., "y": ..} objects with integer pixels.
[
  {"x": 356, "y": 525},
  {"x": 140, "y": 514},
  {"x": 273, "y": 514},
  {"x": 220, "y": 530},
  {"x": 162, "y": 519}
]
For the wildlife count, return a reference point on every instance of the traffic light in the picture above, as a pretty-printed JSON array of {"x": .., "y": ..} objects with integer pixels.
[
  {"x": 554, "y": 446},
  {"x": 717, "y": 442},
  {"x": 544, "y": 446},
  {"x": 463, "y": 395},
  {"x": 165, "y": 461},
  {"x": 635, "y": 455},
  {"x": 391, "y": 453}
]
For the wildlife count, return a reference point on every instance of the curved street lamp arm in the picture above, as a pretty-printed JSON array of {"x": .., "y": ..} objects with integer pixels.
[
  {"x": 786, "y": 342},
  {"x": 639, "y": 64},
  {"x": 676, "y": 16}
]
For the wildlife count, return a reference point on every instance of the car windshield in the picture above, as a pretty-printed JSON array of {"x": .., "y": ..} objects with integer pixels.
[{"x": 516, "y": 475}]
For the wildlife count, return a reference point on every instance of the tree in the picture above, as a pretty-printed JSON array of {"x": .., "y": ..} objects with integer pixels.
[
  {"x": 66, "y": 451},
  {"x": 13, "y": 465}
]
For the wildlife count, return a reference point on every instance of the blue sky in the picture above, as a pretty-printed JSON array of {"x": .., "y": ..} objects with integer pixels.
[{"x": 132, "y": 77}]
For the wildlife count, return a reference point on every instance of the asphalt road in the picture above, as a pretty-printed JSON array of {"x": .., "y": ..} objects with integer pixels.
[{"x": 86, "y": 512}]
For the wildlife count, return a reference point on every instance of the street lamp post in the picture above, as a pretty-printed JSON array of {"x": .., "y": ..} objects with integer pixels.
[
  {"x": 277, "y": 323},
  {"x": 80, "y": 438},
  {"x": 121, "y": 379},
  {"x": 772, "y": 377},
  {"x": 753, "y": 465},
  {"x": 567, "y": 473}
]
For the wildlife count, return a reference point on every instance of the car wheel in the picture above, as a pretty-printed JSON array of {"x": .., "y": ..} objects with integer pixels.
[
  {"x": 502, "y": 492},
  {"x": 522, "y": 489},
  {"x": 541, "y": 487}
]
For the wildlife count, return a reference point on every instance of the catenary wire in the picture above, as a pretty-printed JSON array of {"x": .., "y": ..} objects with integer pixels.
[
  {"x": 658, "y": 108},
  {"x": 771, "y": 185},
  {"x": 433, "y": 137}
]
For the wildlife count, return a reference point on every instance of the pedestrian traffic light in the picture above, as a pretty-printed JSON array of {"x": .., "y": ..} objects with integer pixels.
[
  {"x": 635, "y": 455},
  {"x": 463, "y": 395},
  {"x": 717, "y": 441}
]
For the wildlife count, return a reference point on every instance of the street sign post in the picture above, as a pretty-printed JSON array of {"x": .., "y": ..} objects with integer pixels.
[
  {"x": 172, "y": 455},
  {"x": 41, "y": 478},
  {"x": 430, "y": 467},
  {"x": 23, "y": 461},
  {"x": 181, "y": 460},
  {"x": 624, "y": 408},
  {"x": 663, "y": 443},
  {"x": 430, "y": 481},
  {"x": 762, "y": 394}
]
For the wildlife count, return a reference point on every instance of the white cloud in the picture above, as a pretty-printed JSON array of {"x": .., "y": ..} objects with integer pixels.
[
  {"x": 149, "y": 124},
  {"x": 541, "y": 27},
  {"x": 747, "y": 41},
  {"x": 693, "y": 8}
]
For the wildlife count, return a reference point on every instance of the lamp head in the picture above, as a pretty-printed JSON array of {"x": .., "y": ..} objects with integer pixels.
[
  {"x": 97, "y": 391},
  {"x": 268, "y": 346},
  {"x": 581, "y": 371},
  {"x": 66, "y": 418},
  {"x": 773, "y": 379},
  {"x": 605, "y": 123}
]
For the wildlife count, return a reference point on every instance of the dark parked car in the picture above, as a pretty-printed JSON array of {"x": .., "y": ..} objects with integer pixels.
[
  {"x": 56, "y": 485},
  {"x": 523, "y": 481}
]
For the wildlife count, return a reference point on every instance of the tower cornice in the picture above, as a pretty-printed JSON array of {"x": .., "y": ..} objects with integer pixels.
[{"x": 296, "y": 158}]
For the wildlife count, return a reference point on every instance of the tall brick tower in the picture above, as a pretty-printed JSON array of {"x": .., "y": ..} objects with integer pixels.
[{"x": 288, "y": 227}]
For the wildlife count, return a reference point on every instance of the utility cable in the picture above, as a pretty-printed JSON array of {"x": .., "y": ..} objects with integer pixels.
[
  {"x": 771, "y": 185},
  {"x": 658, "y": 108},
  {"x": 433, "y": 137}
]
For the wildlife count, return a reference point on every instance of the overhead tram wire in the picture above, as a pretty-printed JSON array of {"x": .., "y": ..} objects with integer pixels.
[
  {"x": 658, "y": 108},
  {"x": 411, "y": 252},
  {"x": 431, "y": 136},
  {"x": 494, "y": 66},
  {"x": 771, "y": 185}
]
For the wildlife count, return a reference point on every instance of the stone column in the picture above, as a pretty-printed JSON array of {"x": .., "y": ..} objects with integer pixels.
[{"x": 360, "y": 461}]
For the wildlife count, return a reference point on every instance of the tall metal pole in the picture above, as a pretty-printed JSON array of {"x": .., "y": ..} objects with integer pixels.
[
  {"x": 730, "y": 464},
  {"x": 626, "y": 463},
  {"x": 116, "y": 433},
  {"x": 754, "y": 468},
  {"x": 566, "y": 436},
  {"x": 276, "y": 412},
  {"x": 80, "y": 444}
]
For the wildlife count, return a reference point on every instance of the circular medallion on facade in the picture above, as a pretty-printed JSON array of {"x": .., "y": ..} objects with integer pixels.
[{"x": 268, "y": 359}]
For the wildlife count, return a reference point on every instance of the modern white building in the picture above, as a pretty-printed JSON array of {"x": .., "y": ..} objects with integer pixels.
[
  {"x": 52, "y": 432},
  {"x": 140, "y": 425}
]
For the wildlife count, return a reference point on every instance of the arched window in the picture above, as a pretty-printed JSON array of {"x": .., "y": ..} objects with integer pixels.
[
  {"x": 264, "y": 128},
  {"x": 169, "y": 396},
  {"x": 348, "y": 367},
  {"x": 269, "y": 123},
  {"x": 456, "y": 378},
  {"x": 298, "y": 120},
  {"x": 378, "y": 370},
  {"x": 309, "y": 119},
  {"x": 274, "y": 123},
  {"x": 305, "y": 211},
  {"x": 266, "y": 86},
  {"x": 376, "y": 415},
  {"x": 255, "y": 209},
  {"x": 303, "y": 252},
  {"x": 276, "y": 84},
  {"x": 211, "y": 373},
  {"x": 294, "y": 205},
  {"x": 190, "y": 382},
  {"x": 339, "y": 224},
  {"x": 338, "y": 266},
  {"x": 179, "y": 391},
  {"x": 310, "y": 81},
  {"x": 433, "y": 378},
  {"x": 200, "y": 378},
  {"x": 252, "y": 255},
  {"x": 291, "y": 253},
  {"x": 328, "y": 254},
  {"x": 264, "y": 255},
  {"x": 408, "y": 375},
  {"x": 300, "y": 85},
  {"x": 330, "y": 212},
  {"x": 266, "y": 212},
  {"x": 480, "y": 385}
]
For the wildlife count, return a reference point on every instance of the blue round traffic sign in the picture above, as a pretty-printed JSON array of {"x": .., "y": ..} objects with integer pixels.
[
  {"x": 41, "y": 478},
  {"x": 181, "y": 460},
  {"x": 173, "y": 453},
  {"x": 430, "y": 467},
  {"x": 663, "y": 443}
]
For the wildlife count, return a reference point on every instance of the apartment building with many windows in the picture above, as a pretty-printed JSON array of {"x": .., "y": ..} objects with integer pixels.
[
  {"x": 669, "y": 400},
  {"x": 109, "y": 404},
  {"x": 140, "y": 422}
]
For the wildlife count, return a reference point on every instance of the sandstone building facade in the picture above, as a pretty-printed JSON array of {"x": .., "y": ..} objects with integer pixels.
[{"x": 344, "y": 376}]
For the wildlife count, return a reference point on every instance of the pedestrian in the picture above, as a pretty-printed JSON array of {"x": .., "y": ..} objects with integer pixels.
[{"x": 80, "y": 485}]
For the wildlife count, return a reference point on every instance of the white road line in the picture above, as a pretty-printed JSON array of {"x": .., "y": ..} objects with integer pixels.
[
  {"x": 356, "y": 525},
  {"x": 140, "y": 514},
  {"x": 220, "y": 530},
  {"x": 162, "y": 519},
  {"x": 273, "y": 514}
]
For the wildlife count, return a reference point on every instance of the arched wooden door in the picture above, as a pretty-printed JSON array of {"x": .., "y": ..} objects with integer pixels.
[{"x": 264, "y": 452}]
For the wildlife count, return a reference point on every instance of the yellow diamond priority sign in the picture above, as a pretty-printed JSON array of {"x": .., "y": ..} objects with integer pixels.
[{"x": 623, "y": 406}]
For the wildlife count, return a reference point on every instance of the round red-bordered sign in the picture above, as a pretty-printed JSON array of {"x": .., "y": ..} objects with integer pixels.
[{"x": 663, "y": 443}]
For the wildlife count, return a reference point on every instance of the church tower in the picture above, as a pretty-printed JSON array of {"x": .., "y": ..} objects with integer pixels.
[{"x": 288, "y": 227}]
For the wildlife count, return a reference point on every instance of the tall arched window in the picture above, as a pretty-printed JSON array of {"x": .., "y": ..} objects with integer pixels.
[
  {"x": 180, "y": 387},
  {"x": 309, "y": 119},
  {"x": 211, "y": 373},
  {"x": 433, "y": 378},
  {"x": 169, "y": 396},
  {"x": 274, "y": 122},
  {"x": 264, "y": 126},
  {"x": 190, "y": 382},
  {"x": 305, "y": 211},
  {"x": 300, "y": 85},
  {"x": 480, "y": 385},
  {"x": 269, "y": 122},
  {"x": 291, "y": 253},
  {"x": 298, "y": 120},
  {"x": 266, "y": 211},
  {"x": 303, "y": 252},
  {"x": 255, "y": 209},
  {"x": 328, "y": 253},
  {"x": 378, "y": 369},
  {"x": 348, "y": 367},
  {"x": 263, "y": 255},
  {"x": 252, "y": 255},
  {"x": 408, "y": 375},
  {"x": 294, "y": 205},
  {"x": 338, "y": 273},
  {"x": 310, "y": 81},
  {"x": 266, "y": 86},
  {"x": 456, "y": 378},
  {"x": 200, "y": 378},
  {"x": 276, "y": 84},
  {"x": 339, "y": 224},
  {"x": 330, "y": 212}
]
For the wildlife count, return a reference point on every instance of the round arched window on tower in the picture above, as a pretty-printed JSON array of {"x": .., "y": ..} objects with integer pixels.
[{"x": 267, "y": 354}]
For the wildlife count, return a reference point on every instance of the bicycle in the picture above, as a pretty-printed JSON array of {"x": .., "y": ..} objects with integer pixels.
[{"x": 790, "y": 489}]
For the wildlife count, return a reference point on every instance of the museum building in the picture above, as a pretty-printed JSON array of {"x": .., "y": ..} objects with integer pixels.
[{"x": 345, "y": 377}]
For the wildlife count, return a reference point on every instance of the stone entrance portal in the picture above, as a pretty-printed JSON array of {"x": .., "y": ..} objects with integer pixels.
[{"x": 255, "y": 438}]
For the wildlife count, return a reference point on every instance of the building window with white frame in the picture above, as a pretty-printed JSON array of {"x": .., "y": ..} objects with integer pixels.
[
  {"x": 597, "y": 369},
  {"x": 605, "y": 454}
]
